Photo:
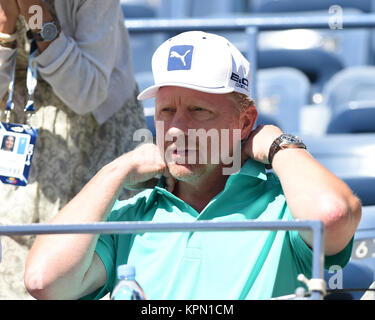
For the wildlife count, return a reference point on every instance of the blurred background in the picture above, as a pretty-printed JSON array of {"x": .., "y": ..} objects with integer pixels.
[{"x": 318, "y": 83}]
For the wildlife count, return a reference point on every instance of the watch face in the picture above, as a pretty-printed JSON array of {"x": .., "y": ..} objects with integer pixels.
[
  {"x": 291, "y": 138},
  {"x": 49, "y": 31}
]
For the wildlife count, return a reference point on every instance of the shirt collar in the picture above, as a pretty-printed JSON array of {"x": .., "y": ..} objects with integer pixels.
[
  {"x": 250, "y": 168},
  {"x": 253, "y": 169}
]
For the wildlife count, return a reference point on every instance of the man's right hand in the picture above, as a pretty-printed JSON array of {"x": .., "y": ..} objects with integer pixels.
[
  {"x": 48, "y": 276},
  {"x": 145, "y": 163},
  {"x": 9, "y": 12}
]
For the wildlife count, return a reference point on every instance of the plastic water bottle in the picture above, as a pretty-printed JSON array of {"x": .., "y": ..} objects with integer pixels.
[{"x": 127, "y": 288}]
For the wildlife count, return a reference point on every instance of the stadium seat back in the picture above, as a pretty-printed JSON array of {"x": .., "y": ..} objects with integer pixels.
[
  {"x": 366, "y": 227},
  {"x": 265, "y": 119},
  {"x": 351, "y": 84},
  {"x": 136, "y": 10},
  {"x": 282, "y": 92},
  {"x": 142, "y": 48},
  {"x": 364, "y": 188},
  {"x": 354, "y": 276},
  {"x": 346, "y": 155},
  {"x": 142, "y": 45},
  {"x": 317, "y": 64},
  {"x": 297, "y": 5},
  {"x": 336, "y": 44},
  {"x": 364, "y": 239},
  {"x": 350, "y": 95},
  {"x": 199, "y": 8},
  {"x": 357, "y": 117}
]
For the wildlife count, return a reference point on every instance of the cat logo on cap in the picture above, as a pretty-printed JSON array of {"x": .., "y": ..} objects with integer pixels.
[{"x": 180, "y": 58}]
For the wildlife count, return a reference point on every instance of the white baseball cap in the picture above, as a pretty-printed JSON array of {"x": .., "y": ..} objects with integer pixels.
[{"x": 201, "y": 61}]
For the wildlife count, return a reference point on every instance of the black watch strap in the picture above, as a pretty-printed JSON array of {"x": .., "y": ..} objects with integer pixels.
[
  {"x": 40, "y": 34},
  {"x": 275, "y": 146},
  {"x": 283, "y": 142},
  {"x": 34, "y": 35}
]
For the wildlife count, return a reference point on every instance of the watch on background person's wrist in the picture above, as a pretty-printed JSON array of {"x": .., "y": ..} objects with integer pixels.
[{"x": 48, "y": 33}]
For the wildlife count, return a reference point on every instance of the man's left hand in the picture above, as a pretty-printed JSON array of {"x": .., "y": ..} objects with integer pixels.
[{"x": 259, "y": 142}]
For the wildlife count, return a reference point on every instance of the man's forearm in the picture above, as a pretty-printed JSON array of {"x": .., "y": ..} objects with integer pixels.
[
  {"x": 312, "y": 192},
  {"x": 57, "y": 265},
  {"x": 65, "y": 266}
]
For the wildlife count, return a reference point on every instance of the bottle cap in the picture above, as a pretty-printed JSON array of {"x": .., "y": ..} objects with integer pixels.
[{"x": 125, "y": 271}]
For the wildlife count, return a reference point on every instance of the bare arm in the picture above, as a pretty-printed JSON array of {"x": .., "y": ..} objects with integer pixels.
[
  {"x": 9, "y": 13},
  {"x": 79, "y": 66},
  {"x": 66, "y": 266},
  {"x": 312, "y": 192}
]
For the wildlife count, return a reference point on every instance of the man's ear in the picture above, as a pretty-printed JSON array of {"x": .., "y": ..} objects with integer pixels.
[{"x": 247, "y": 121}]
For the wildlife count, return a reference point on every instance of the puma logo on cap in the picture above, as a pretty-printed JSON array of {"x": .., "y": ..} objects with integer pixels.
[{"x": 180, "y": 58}]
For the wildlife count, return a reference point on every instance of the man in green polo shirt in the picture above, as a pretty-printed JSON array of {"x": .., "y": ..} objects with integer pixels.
[{"x": 201, "y": 90}]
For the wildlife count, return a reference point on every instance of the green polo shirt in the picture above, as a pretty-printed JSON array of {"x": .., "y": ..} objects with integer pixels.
[{"x": 212, "y": 265}]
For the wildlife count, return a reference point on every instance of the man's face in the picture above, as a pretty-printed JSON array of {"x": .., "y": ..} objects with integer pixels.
[{"x": 189, "y": 153}]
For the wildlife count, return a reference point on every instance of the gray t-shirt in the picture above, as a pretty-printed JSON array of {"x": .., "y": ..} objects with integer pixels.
[{"x": 78, "y": 65}]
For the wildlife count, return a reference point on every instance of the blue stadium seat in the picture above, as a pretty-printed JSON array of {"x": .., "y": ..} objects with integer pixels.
[
  {"x": 341, "y": 42},
  {"x": 366, "y": 228},
  {"x": 360, "y": 271},
  {"x": 350, "y": 95},
  {"x": 173, "y": 9},
  {"x": 364, "y": 239},
  {"x": 282, "y": 92},
  {"x": 364, "y": 50},
  {"x": 264, "y": 119},
  {"x": 318, "y": 65},
  {"x": 142, "y": 48},
  {"x": 346, "y": 155},
  {"x": 142, "y": 45},
  {"x": 135, "y": 10},
  {"x": 298, "y": 5},
  {"x": 318, "y": 53},
  {"x": 199, "y": 8},
  {"x": 354, "y": 276},
  {"x": 351, "y": 84},
  {"x": 363, "y": 187},
  {"x": 356, "y": 117}
]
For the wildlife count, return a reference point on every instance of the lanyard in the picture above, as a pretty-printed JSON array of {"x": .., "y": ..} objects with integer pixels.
[
  {"x": 31, "y": 83},
  {"x": 10, "y": 105}
]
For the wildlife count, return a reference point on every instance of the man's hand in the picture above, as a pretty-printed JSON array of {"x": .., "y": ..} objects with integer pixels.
[
  {"x": 145, "y": 163},
  {"x": 311, "y": 191},
  {"x": 9, "y": 12},
  {"x": 259, "y": 142}
]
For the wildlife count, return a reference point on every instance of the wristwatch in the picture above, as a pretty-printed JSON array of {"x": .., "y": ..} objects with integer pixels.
[
  {"x": 283, "y": 142},
  {"x": 48, "y": 32}
]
